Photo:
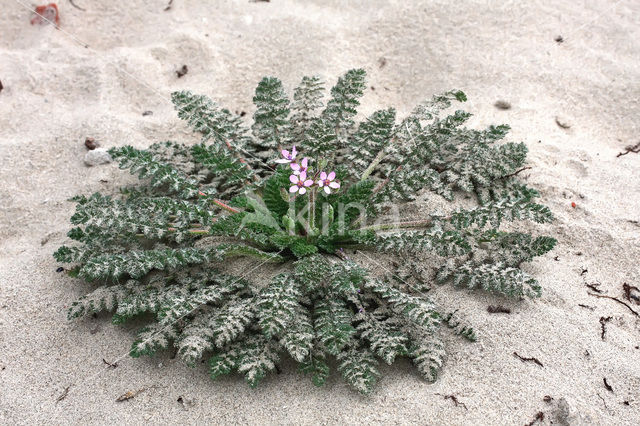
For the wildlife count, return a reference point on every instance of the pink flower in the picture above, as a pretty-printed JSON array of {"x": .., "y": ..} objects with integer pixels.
[
  {"x": 288, "y": 157},
  {"x": 300, "y": 183},
  {"x": 327, "y": 182},
  {"x": 299, "y": 168}
]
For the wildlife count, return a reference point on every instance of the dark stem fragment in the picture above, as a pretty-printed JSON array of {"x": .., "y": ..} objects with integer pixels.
[
  {"x": 604, "y": 296},
  {"x": 607, "y": 386},
  {"x": 182, "y": 71},
  {"x": 111, "y": 365},
  {"x": 454, "y": 399},
  {"x": 603, "y": 323},
  {"x": 64, "y": 394},
  {"x": 594, "y": 287},
  {"x": 631, "y": 148},
  {"x": 516, "y": 172},
  {"x": 525, "y": 359},
  {"x": 76, "y": 6}
]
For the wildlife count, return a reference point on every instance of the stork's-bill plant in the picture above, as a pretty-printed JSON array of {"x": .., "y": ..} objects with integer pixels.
[{"x": 319, "y": 195}]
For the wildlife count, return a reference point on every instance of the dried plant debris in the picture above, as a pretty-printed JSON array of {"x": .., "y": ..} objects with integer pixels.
[
  {"x": 111, "y": 365},
  {"x": 182, "y": 71},
  {"x": 558, "y": 39},
  {"x": 538, "y": 418},
  {"x": 64, "y": 394},
  {"x": 604, "y": 296},
  {"x": 76, "y": 6},
  {"x": 516, "y": 172},
  {"x": 129, "y": 395},
  {"x": 595, "y": 287},
  {"x": 455, "y": 400},
  {"x": 630, "y": 149},
  {"x": 503, "y": 105},
  {"x": 526, "y": 359},
  {"x": 631, "y": 293},
  {"x": 603, "y": 326},
  {"x": 498, "y": 310},
  {"x": 607, "y": 386},
  {"x": 563, "y": 122}
]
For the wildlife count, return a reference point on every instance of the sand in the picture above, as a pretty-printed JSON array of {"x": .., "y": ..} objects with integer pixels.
[{"x": 57, "y": 92}]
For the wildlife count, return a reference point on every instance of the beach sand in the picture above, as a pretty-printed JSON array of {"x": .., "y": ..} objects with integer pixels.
[{"x": 58, "y": 92}]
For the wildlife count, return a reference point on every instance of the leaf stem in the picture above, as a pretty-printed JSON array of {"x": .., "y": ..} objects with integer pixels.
[
  {"x": 402, "y": 225},
  {"x": 219, "y": 203},
  {"x": 373, "y": 164}
]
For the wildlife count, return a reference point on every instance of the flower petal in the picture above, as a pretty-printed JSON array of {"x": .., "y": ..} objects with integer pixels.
[
  {"x": 303, "y": 176},
  {"x": 323, "y": 175},
  {"x": 320, "y": 183},
  {"x": 293, "y": 189},
  {"x": 327, "y": 190},
  {"x": 294, "y": 152},
  {"x": 331, "y": 176},
  {"x": 285, "y": 153},
  {"x": 303, "y": 190},
  {"x": 295, "y": 166},
  {"x": 283, "y": 161},
  {"x": 334, "y": 185},
  {"x": 305, "y": 162},
  {"x": 308, "y": 182},
  {"x": 293, "y": 179}
]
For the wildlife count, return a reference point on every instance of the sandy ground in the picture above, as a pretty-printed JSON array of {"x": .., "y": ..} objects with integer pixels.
[{"x": 57, "y": 92}]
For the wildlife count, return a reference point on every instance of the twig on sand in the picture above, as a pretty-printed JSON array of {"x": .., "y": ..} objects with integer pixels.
[
  {"x": 129, "y": 395},
  {"x": 168, "y": 5},
  {"x": 454, "y": 399},
  {"x": 603, "y": 326},
  {"x": 631, "y": 148},
  {"x": 607, "y": 386},
  {"x": 64, "y": 394},
  {"x": 111, "y": 365},
  {"x": 515, "y": 173},
  {"x": 604, "y": 296},
  {"x": 525, "y": 359},
  {"x": 603, "y": 401},
  {"x": 76, "y": 6},
  {"x": 594, "y": 287}
]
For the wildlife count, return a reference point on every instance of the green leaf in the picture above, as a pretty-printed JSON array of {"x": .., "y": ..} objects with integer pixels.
[
  {"x": 345, "y": 95},
  {"x": 358, "y": 367},
  {"x": 333, "y": 324},
  {"x": 277, "y": 305},
  {"x": 271, "y": 125}
]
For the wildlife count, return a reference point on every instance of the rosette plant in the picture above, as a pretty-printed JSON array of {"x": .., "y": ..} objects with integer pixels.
[{"x": 320, "y": 198}]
